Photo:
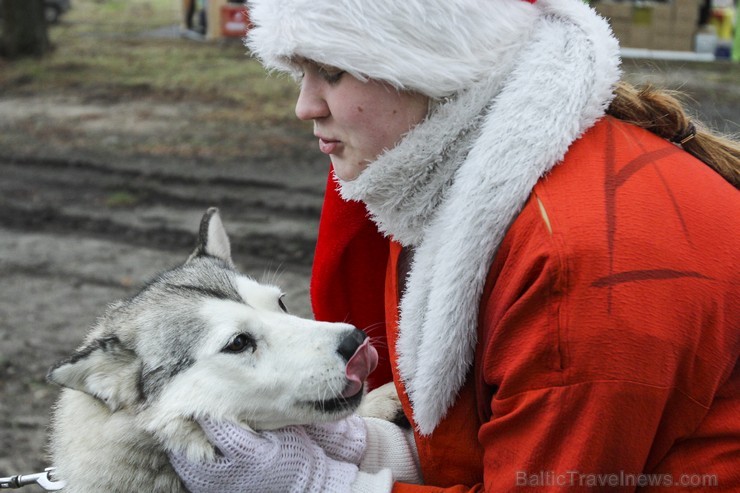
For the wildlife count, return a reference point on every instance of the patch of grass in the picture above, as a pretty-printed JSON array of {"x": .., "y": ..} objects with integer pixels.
[
  {"x": 121, "y": 198},
  {"x": 102, "y": 51}
]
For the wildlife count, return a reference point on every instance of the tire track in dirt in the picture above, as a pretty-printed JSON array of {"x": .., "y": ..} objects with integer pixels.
[
  {"x": 172, "y": 179},
  {"x": 295, "y": 250},
  {"x": 267, "y": 220}
]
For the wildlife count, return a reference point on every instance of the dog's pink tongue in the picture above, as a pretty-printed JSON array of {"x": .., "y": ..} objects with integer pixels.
[{"x": 359, "y": 366}]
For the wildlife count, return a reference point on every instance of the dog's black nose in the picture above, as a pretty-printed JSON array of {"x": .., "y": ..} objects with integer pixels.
[{"x": 349, "y": 344}]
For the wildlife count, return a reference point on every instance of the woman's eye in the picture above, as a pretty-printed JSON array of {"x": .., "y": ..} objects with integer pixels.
[
  {"x": 282, "y": 305},
  {"x": 240, "y": 343},
  {"x": 330, "y": 75}
]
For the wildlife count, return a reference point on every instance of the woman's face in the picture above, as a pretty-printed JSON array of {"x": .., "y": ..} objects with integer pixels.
[{"x": 355, "y": 121}]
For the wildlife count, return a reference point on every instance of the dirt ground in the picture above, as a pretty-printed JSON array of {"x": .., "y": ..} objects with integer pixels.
[{"x": 91, "y": 206}]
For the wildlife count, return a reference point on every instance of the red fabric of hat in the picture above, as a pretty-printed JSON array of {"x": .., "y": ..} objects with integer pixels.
[{"x": 347, "y": 282}]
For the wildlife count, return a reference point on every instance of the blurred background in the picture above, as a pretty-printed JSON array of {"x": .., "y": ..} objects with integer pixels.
[{"x": 121, "y": 121}]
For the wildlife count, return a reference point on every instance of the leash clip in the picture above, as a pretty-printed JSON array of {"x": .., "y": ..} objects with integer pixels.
[{"x": 43, "y": 479}]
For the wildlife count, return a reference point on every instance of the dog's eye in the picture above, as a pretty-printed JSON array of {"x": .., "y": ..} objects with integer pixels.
[
  {"x": 240, "y": 343},
  {"x": 282, "y": 305}
]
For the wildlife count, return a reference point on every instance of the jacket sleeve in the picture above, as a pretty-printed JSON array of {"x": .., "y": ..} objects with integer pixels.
[
  {"x": 605, "y": 386},
  {"x": 596, "y": 387}
]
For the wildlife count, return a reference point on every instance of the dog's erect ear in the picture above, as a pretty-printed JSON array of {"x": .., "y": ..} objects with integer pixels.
[
  {"x": 104, "y": 369},
  {"x": 212, "y": 238}
]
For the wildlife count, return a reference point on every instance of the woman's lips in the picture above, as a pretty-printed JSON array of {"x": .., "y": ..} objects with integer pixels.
[{"x": 328, "y": 146}]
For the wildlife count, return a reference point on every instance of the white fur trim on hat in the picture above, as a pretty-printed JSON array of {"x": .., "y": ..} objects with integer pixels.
[{"x": 435, "y": 47}]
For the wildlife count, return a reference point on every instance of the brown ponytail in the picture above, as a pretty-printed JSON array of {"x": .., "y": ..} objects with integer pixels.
[{"x": 662, "y": 113}]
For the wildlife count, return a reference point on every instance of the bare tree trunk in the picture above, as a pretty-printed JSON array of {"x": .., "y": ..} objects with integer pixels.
[{"x": 23, "y": 28}]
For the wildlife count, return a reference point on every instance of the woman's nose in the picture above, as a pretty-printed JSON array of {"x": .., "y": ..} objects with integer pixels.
[{"x": 311, "y": 103}]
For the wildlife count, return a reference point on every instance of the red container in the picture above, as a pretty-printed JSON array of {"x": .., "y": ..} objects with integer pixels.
[{"x": 234, "y": 20}]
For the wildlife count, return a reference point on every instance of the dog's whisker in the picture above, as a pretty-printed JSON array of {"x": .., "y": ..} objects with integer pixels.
[
  {"x": 377, "y": 342},
  {"x": 373, "y": 326},
  {"x": 272, "y": 275}
]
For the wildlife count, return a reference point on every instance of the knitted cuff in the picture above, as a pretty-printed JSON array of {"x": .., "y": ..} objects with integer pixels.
[{"x": 393, "y": 448}]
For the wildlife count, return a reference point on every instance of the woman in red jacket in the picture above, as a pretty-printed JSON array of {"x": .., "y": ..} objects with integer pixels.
[{"x": 554, "y": 271}]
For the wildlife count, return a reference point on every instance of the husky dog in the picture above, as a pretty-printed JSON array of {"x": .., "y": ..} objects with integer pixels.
[{"x": 199, "y": 340}]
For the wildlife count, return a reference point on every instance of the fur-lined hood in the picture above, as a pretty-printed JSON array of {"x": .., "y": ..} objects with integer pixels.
[{"x": 454, "y": 184}]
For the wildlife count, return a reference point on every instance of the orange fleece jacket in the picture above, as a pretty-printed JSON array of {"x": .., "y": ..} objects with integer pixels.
[{"x": 609, "y": 333}]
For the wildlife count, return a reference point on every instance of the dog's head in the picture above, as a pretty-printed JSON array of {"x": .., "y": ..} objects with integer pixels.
[{"x": 204, "y": 340}]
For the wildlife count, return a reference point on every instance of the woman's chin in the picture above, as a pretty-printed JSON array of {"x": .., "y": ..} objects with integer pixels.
[{"x": 347, "y": 172}]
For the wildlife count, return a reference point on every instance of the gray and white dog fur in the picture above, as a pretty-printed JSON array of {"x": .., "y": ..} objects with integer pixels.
[{"x": 198, "y": 340}]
